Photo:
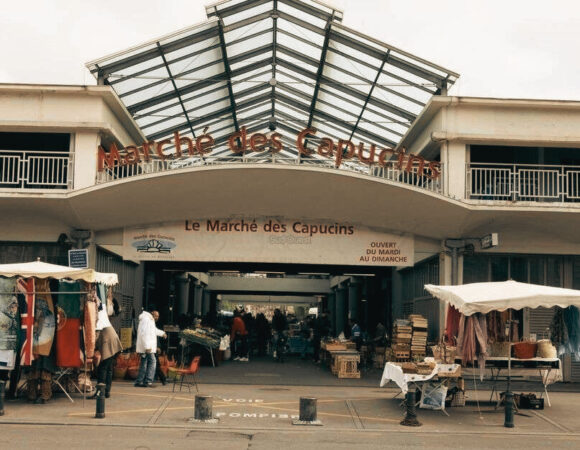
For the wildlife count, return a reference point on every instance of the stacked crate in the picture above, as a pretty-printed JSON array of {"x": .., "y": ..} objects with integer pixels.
[
  {"x": 402, "y": 335},
  {"x": 419, "y": 336}
]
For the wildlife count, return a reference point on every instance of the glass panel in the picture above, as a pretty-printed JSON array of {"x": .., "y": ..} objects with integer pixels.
[
  {"x": 576, "y": 273},
  {"x": 297, "y": 32},
  {"x": 249, "y": 61},
  {"x": 537, "y": 270},
  {"x": 247, "y": 13},
  {"x": 499, "y": 268},
  {"x": 147, "y": 94},
  {"x": 301, "y": 15},
  {"x": 519, "y": 269},
  {"x": 250, "y": 44},
  {"x": 475, "y": 268},
  {"x": 554, "y": 271}
]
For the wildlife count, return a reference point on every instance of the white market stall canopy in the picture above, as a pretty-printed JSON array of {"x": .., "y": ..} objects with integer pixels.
[
  {"x": 499, "y": 296},
  {"x": 41, "y": 269}
]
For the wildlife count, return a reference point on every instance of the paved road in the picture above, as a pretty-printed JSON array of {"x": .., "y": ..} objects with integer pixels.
[{"x": 139, "y": 438}]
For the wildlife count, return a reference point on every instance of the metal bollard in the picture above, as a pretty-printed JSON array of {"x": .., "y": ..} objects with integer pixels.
[
  {"x": 307, "y": 412},
  {"x": 2, "y": 392},
  {"x": 203, "y": 410},
  {"x": 410, "y": 419},
  {"x": 100, "y": 413},
  {"x": 509, "y": 410}
]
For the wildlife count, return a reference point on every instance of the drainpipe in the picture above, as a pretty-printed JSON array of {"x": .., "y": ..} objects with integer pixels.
[{"x": 455, "y": 245}]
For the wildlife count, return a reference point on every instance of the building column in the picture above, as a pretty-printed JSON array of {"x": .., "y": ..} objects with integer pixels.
[
  {"x": 454, "y": 159},
  {"x": 182, "y": 301},
  {"x": 353, "y": 299},
  {"x": 205, "y": 302},
  {"x": 331, "y": 310},
  {"x": 197, "y": 298},
  {"x": 341, "y": 305}
]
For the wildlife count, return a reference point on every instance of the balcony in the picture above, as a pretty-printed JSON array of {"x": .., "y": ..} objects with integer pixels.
[
  {"x": 389, "y": 172},
  {"x": 32, "y": 170},
  {"x": 523, "y": 183}
]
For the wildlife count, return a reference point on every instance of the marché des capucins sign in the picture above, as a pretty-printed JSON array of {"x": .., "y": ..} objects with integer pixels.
[{"x": 240, "y": 142}]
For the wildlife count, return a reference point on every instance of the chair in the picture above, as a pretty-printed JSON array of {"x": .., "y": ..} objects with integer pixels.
[{"x": 183, "y": 373}]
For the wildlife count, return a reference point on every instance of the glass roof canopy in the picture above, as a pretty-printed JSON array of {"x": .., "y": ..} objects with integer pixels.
[{"x": 282, "y": 65}]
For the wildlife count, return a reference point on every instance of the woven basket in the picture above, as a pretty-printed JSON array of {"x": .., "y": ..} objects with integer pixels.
[
  {"x": 133, "y": 372},
  {"x": 119, "y": 373},
  {"x": 458, "y": 399},
  {"x": 525, "y": 350},
  {"x": 445, "y": 354},
  {"x": 500, "y": 349},
  {"x": 546, "y": 349}
]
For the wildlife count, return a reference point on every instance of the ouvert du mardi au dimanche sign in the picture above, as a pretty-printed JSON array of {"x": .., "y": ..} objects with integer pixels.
[{"x": 267, "y": 240}]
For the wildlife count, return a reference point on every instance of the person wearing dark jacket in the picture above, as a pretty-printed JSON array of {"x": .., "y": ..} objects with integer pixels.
[
  {"x": 321, "y": 329},
  {"x": 263, "y": 333}
]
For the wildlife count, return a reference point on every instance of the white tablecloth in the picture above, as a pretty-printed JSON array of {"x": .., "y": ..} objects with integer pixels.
[{"x": 394, "y": 372}]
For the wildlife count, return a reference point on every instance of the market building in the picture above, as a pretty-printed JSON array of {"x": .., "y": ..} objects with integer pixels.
[{"x": 273, "y": 155}]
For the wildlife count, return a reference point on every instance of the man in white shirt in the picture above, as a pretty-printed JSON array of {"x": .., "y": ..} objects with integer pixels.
[{"x": 147, "y": 347}]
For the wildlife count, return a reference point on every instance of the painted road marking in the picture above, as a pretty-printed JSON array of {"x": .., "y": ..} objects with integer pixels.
[{"x": 255, "y": 403}]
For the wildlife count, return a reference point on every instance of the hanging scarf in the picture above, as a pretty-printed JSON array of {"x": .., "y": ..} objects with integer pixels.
[
  {"x": 452, "y": 324},
  {"x": 572, "y": 321}
]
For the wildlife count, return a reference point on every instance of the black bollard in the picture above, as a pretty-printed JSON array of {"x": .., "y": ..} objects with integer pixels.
[
  {"x": 509, "y": 410},
  {"x": 203, "y": 409},
  {"x": 307, "y": 414},
  {"x": 2, "y": 391},
  {"x": 410, "y": 419},
  {"x": 100, "y": 414}
]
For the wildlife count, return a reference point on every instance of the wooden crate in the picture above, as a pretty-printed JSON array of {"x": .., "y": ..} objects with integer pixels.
[
  {"x": 339, "y": 361},
  {"x": 329, "y": 346},
  {"x": 347, "y": 367}
]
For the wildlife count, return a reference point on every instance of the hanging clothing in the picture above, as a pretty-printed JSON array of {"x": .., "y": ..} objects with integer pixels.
[
  {"x": 452, "y": 324},
  {"x": 472, "y": 339},
  {"x": 26, "y": 297},
  {"x": 572, "y": 321},
  {"x": 9, "y": 324},
  {"x": 45, "y": 319},
  {"x": 558, "y": 331},
  {"x": 90, "y": 320},
  {"x": 68, "y": 331}
]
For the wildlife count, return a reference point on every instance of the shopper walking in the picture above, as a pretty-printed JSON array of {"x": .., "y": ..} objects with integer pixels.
[
  {"x": 239, "y": 338},
  {"x": 147, "y": 347}
]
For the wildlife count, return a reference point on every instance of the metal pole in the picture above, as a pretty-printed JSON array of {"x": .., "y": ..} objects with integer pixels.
[
  {"x": 509, "y": 396},
  {"x": 410, "y": 419},
  {"x": 2, "y": 391},
  {"x": 100, "y": 413},
  {"x": 307, "y": 414}
]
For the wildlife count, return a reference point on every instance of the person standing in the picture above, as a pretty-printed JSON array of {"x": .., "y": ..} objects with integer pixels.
[
  {"x": 147, "y": 334},
  {"x": 263, "y": 333},
  {"x": 321, "y": 329},
  {"x": 109, "y": 346},
  {"x": 239, "y": 338}
]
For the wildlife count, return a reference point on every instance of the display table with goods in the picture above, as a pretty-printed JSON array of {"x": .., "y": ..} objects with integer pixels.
[
  {"x": 431, "y": 379},
  {"x": 548, "y": 369},
  {"x": 206, "y": 337}
]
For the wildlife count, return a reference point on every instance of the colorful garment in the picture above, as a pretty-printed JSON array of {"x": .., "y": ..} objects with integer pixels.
[
  {"x": 44, "y": 319},
  {"x": 26, "y": 303},
  {"x": 68, "y": 347}
]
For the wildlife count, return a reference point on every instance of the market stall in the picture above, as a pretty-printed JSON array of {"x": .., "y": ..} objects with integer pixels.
[
  {"x": 48, "y": 324},
  {"x": 206, "y": 337},
  {"x": 480, "y": 323}
]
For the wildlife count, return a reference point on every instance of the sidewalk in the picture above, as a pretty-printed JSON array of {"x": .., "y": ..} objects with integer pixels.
[{"x": 272, "y": 407}]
